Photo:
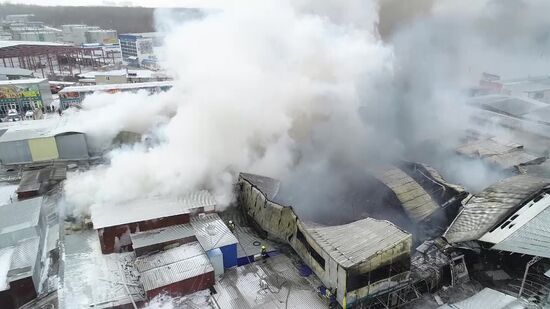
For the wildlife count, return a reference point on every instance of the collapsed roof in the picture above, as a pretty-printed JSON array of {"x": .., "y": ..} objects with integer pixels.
[
  {"x": 497, "y": 152},
  {"x": 489, "y": 207}
]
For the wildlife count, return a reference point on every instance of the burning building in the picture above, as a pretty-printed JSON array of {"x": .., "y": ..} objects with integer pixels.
[{"x": 357, "y": 261}]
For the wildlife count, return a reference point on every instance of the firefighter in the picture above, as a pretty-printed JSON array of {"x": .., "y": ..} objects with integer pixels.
[
  {"x": 264, "y": 253},
  {"x": 231, "y": 226}
]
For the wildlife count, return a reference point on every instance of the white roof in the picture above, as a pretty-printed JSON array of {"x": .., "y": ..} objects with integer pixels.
[
  {"x": 132, "y": 73},
  {"x": 22, "y": 81},
  {"x": 174, "y": 265},
  {"x": 104, "y": 215},
  {"x": 4, "y": 44},
  {"x": 105, "y": 87},
  {"x": 20, "y": 215},
  {"x": 211, "y": 232},
  {"x": 356, "y": 242},
  {"x": 22, "y": 130}
]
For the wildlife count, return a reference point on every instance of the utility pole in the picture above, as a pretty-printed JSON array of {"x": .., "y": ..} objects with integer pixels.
[{"x": 529, "y": 264}]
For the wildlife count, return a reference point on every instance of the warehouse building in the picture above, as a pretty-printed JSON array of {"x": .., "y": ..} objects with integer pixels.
[
  {"x": 115, "y": 223},
  {"x": 40, "y": 141},
  {"x": 74, "y": 95},
  {"x": 358, "y": 261},
  {"x": 511, "y": 215},
  {"x": 24, "y": 95}
]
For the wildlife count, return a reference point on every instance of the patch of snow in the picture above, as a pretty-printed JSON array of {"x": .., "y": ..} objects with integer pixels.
[
  {"x": 5, "y": 263},
  {"x": 7, "y": 194}
]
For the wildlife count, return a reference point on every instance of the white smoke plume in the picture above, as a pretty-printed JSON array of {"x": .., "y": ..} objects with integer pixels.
[
  {"x": 250, "y": 81},
  {"x": 298, "y": 89}
]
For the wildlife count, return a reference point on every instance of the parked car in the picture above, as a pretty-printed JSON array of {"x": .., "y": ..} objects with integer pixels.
[{"x": 13, "y": 115}]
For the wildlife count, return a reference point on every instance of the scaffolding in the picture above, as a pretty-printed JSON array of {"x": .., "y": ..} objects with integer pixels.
[{"x": 55, "y": 60}]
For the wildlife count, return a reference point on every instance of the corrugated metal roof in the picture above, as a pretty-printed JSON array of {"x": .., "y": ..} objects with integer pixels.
[
  {"x": 127, "y": 86},
  {"x": 32, "y": 180},
  {"x": 514, "y": 106},
  {"x": 176, "y": 272},
  {"x": 505, "y": 154},
  {"x": 211, "y": 232},
  {"x": 268, "y": 186},
  {"x": 532, "y": 238},
  {"x": 173, "y": 265},
  {"x": 20, "y": 215},
  {"x": 354, "y": 243},
  {"x": 162, "y": 235},
  {"x": 23, "y": 259},
  {"x": 486, "y": 298},
  {"x": 487, "y": 208},
  {"x": 418, "y": 204},
  {"x": 22, "y": 130},
  {"x": 104, "y": 215},
  {"x": 185, "y": 251}
]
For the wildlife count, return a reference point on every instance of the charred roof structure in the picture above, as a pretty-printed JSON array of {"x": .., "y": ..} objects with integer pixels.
[
  {"x": 428, "y": 200},
  {"x": 502, "y": 154},
  {"x": 511, "y": 215}
]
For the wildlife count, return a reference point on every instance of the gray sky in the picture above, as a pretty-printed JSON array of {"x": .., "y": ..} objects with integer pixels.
[{"x": 146, "y": 3}]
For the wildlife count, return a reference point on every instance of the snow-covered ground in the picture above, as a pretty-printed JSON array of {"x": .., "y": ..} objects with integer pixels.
[{"x": 7, "y": 194}]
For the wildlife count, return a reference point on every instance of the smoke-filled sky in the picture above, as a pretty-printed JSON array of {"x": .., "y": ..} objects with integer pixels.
[{"x": 306, "y": 89}]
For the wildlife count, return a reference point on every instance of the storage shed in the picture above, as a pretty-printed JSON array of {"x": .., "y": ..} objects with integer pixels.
[
  {"x": 212, "y": 233},
  {"x": 20, "y": 220},
  {"x": 23, "y": 273},
  {"x": 179, "y": 271}
]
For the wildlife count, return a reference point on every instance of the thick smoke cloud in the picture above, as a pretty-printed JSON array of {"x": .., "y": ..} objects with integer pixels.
[
  {"x": 250, "y": 85},
  {"x": 309, "y": 93}
]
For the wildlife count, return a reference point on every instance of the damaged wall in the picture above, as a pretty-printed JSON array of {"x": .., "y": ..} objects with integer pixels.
[{"x": 281, "y": 223}]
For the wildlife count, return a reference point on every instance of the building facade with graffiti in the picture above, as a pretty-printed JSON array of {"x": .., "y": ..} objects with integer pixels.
[{"x": 24, "y": 94}]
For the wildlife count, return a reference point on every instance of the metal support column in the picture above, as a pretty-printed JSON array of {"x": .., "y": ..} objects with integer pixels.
[{"x": 529, "y": 264}]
